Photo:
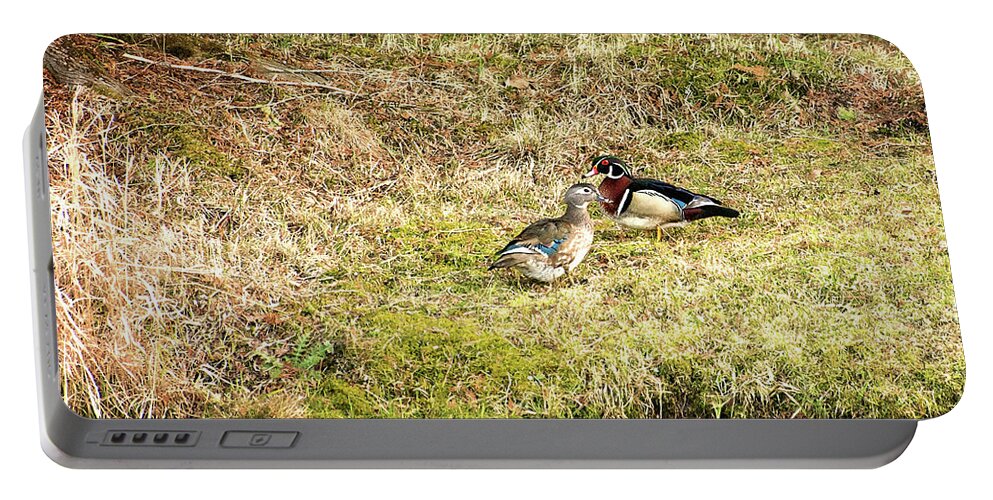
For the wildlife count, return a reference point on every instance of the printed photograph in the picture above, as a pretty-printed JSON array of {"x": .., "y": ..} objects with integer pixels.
[{"x": 496, "y": 226}]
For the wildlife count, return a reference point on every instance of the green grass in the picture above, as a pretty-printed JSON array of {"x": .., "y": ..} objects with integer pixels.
[
  {"x": 819, "y": 306},
  {"x": 265, "y": 250}
]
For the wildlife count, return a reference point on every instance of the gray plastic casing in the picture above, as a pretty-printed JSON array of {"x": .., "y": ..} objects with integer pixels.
[{"x": 74, "y": 441}]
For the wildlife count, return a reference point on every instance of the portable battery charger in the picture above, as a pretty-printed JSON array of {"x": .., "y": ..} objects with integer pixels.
[{"x": 458, "y": 250}]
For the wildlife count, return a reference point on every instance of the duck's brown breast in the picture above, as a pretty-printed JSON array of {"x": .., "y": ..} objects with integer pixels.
[{"x": 613, "y": 190}]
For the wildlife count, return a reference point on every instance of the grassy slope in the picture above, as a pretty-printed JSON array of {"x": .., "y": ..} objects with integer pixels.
[{"x": 254, "y": 250}]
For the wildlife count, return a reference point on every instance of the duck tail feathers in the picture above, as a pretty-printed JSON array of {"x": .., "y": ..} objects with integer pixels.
[
  {"x": 704, "y": 211},
  {"x": 506, "y": 260}
]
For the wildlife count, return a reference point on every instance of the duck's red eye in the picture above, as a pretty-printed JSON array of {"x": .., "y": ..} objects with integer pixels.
[{"x": 605, "y": 162}]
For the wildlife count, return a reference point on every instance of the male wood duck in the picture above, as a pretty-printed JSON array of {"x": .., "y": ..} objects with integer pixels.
[
  {"x": 649, "y": 203},
  {"x": 550, "y": 248}
]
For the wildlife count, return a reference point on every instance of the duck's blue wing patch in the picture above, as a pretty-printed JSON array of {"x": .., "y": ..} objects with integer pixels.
[
  {"x": 550, "y": 249},
  {"x": 544, "y": 237}
]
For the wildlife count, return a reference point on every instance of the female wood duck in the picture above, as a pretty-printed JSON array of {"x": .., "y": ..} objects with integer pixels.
[
  {"x": 650, "y": 203},
  {"x": 550, "y": 248}
]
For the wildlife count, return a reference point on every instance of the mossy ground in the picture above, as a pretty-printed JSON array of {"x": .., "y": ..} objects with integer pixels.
[{"x": 238, "y": 250}]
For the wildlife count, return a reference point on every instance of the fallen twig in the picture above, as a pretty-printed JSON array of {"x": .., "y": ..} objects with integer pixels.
[
  {"x": 296, "y": 71},
  {"x": 383, "y": 75},
  {"x": 238, "y": 76}
]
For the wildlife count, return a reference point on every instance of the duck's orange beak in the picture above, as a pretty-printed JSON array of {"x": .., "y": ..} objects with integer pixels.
[{"x": 591, "y": 173}]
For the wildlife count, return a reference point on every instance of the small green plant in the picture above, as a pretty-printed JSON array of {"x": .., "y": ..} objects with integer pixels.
[{"x": 847, "y": 114}]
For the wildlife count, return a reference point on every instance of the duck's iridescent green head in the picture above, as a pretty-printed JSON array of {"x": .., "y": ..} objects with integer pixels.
[{"x": 611, "y": 166}]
